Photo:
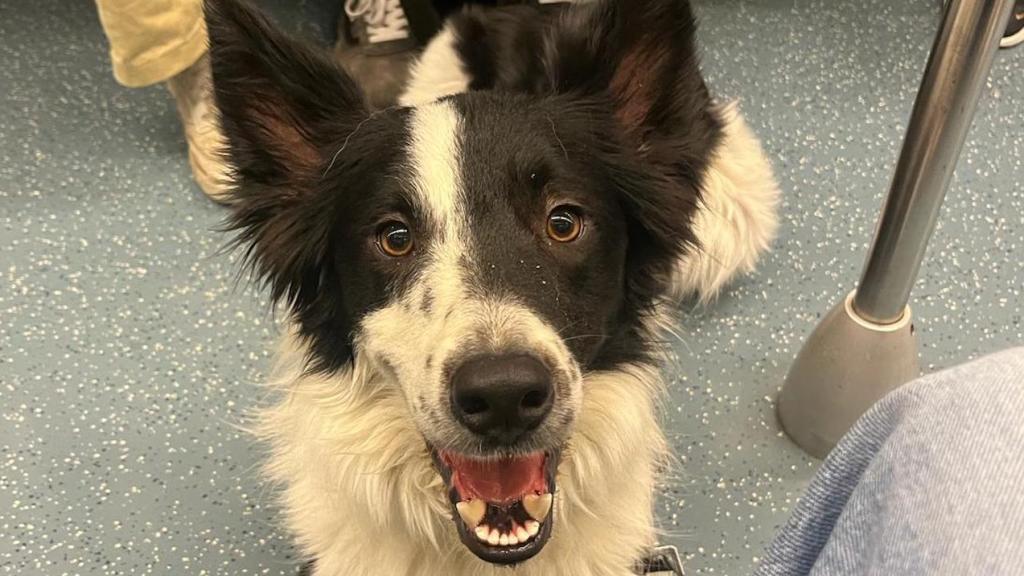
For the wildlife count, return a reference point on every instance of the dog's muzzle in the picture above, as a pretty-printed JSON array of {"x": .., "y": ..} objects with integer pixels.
[{"x": 502, "y": 497}]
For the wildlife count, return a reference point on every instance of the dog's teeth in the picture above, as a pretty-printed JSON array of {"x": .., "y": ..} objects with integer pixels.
[
  {"x": 536, "y": 506},
  {"x": 512, "y": 539},
  {"x": 493, "y": 538},
  {"x": 521, "y": 534},
  {"x": 532, "y": 527},
  {"x": 503, "y": 540},
  {"x": 482, "y": 532},
  {"x": 472, "y": 512}
]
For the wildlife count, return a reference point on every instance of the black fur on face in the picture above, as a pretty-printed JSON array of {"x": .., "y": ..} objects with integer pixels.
[
  {"x": 524, "y": 156},
  {"x": 613, "y": 93}
]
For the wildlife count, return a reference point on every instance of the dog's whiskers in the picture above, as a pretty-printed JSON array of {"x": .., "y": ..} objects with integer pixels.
[
  {"x": 582, "y": 336},
  {"x": 563, "y": 329}
]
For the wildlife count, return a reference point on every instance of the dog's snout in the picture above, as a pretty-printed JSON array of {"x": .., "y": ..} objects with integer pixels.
[{"x": 502, "y": 397}]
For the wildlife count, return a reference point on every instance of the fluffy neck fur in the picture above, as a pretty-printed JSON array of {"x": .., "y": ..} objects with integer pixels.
[{"x": 362, "y": 496}]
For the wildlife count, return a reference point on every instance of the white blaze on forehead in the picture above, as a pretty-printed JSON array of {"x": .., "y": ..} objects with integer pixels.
[{"x": 434, "y": 149}]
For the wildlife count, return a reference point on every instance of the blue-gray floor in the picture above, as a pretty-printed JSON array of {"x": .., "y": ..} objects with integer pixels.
[{"x": 128, "y": 357}]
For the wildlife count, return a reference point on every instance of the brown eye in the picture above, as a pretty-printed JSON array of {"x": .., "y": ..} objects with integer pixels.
[
  {"x": 564, "y": 224},
  {"x": 395, "y": 239}
]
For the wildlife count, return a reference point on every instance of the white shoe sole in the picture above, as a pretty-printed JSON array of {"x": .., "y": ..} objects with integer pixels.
[{"x": 1012, "y": 40}]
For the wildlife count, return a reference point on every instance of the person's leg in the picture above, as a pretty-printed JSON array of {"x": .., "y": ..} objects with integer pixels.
[
  {"x": 152, "y": 40},
  {"x": 155, "y": 41},
  {"x": 930, "y": 481}
]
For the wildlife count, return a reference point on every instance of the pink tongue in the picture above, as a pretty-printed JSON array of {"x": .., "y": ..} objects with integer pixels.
[{"x": 497, "y": 481}]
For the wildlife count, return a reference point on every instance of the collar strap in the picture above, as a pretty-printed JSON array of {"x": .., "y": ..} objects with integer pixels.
[{"x": 661, "y": 560}]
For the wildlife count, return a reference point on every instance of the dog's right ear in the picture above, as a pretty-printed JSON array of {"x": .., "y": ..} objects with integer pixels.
[{"x": 280, "y": 101}]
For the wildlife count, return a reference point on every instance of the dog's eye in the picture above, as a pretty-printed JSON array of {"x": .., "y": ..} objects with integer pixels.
[
  {"x": 565, "y": 224},
  {"x": 395, "y": 239}
]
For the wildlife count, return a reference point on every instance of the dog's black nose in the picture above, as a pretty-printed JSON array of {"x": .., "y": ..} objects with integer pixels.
[{"x": 502, "y": 397}]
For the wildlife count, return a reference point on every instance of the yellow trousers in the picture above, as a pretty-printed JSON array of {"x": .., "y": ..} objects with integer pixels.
[{"x": 152, "y": 40}]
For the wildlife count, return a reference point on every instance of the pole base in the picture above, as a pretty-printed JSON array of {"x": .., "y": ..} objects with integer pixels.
[{"x": 846, "y": 365}]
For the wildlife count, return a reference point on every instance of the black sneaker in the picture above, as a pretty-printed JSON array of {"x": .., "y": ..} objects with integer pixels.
[
  {"x": 376, "y": 45},
  {"x": 1014, "y": 34}
]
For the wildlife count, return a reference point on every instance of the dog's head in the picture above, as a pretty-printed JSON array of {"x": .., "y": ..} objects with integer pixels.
[{"x": 485, "y": 252}]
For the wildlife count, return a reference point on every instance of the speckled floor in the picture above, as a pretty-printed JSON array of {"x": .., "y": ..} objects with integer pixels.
[{"x": 128, "y": 355}]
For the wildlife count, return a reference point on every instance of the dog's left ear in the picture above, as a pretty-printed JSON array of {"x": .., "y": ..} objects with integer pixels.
[{"x": 643, "y": 54}]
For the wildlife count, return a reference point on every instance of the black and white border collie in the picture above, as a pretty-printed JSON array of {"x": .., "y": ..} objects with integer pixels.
[{"x": 477, "y": 279}]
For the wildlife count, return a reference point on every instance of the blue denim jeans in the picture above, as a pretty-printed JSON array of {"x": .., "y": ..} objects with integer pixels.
[{"x": 930, "y": 481}]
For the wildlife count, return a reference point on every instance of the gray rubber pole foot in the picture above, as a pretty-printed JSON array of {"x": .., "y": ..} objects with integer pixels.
[{"x": 846, "y": 365}]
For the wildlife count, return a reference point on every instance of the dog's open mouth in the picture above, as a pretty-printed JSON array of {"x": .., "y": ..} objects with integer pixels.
[{"x": 502, "y": 507}]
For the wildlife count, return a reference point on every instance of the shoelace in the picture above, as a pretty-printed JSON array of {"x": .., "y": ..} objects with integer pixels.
[{"x": 385, "y": 19}]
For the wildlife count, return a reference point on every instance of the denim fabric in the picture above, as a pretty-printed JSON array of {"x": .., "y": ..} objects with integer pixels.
[{"x": 929, "y": 481}]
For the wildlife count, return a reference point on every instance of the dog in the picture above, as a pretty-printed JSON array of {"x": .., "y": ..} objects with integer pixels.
[{"x": 477, "y": 279}]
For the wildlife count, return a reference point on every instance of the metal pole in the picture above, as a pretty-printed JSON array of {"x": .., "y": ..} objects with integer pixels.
[
  {"x": 949, "y": 93},
  {"x": 866, "y": 346}
]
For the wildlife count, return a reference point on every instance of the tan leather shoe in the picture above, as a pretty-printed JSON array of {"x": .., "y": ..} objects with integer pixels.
[{"x": 192, "y": 91}]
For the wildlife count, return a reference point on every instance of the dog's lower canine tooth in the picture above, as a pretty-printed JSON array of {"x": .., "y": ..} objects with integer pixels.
[
  {"x": 536, "y": 506},
  {"x": 472, "y": 512},
  {"x": 532, "y": 528}
]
